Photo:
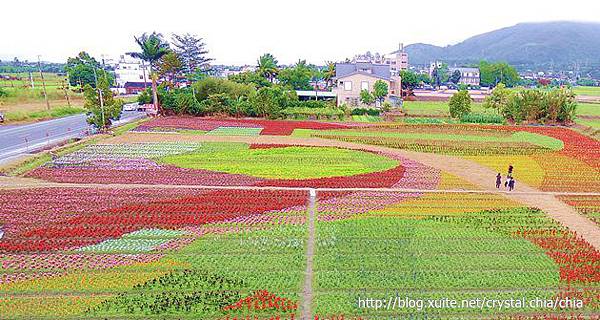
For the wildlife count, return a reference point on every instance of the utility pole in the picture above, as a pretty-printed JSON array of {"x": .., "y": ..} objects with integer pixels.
[
  {"x": 65, "y": 87},
  {"x": 101, "y": 98},
  {"x": 43, "y": 82},
  {"x": 31, "y": 80}
]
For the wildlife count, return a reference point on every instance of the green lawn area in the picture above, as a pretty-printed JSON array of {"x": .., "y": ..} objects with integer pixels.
[
  {"x": 281, "y": 163},
  {"x": 587, "y": 91},
  {"x": 436, "y": 108},
  {"x": 588, "y": 109}
]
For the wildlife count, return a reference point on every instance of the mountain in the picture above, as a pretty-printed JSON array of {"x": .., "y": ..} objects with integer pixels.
[{"x": 525, "y": 44}]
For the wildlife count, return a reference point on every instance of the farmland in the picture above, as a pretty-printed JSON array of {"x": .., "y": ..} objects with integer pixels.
[
  {"x": 187, "y": 218},
  {"x": 24, "y": 103}
]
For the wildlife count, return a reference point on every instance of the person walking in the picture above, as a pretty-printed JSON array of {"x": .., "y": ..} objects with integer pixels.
[
  {"x": 498, "y": 181},
  {"x": 511, "y": 184}
]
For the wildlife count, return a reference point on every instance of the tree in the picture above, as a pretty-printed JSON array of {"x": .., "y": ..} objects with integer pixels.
[
  {"x": 211, "y": 86},
  {"x": 439, "y": 75},
  {"x": 267, "y": 66},
  {"x": 153, "y": 47},
  {"x": 250, "y": 77},
  {"x": 80, "y": 71},
  {"x": 297, "y": 77},
  {"x": 424, "y": 78},
  {"x": 101, "y": 113},
  {"x": 499, "y": 99},
  {"x": 493, "y": 73},
  {"x": 169, "y": 66},
  {"x": 271, "y": 101},
  {"x": 455, "y": 77},
  {"x": 192, "y": 53},
  {"x": 366, "y": 97},
  {"x": 460, "y": 104},
  {"x": 541, "y": 105},
  {"x": 380, "y": 90},
  {"x": 329, "y": 74},
  {"x": 409, "y": 79}
]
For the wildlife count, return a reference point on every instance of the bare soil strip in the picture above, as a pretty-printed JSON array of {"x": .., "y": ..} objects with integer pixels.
[{"x": 307, "y": 292}]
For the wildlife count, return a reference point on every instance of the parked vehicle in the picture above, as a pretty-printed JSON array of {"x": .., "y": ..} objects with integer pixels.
[{"x": 134, "y": 106}]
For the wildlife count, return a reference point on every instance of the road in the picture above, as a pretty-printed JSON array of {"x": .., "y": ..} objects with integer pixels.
[{"x": 16, "y": 140}]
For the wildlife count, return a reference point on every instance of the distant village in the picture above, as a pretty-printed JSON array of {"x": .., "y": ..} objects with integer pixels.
[{"x": 353, "y": 75}]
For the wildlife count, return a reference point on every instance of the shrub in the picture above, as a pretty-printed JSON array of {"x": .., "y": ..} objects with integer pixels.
[
  {"x": 319, "y": 113},
  {"x": 460, "y": 104},
  {"x": 366, "y": 97},
  {"x": 145, "y": 97},
  {"x": 482, "y": 118},
  {"x": 311, "y": 104},
  {"x": 535, "y": 105},
  {"x": 207, "y": 86},
  {"x": 365, "y": 111}
]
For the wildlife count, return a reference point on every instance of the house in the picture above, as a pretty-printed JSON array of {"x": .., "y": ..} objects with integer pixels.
[
  {"x": 352, "y": 78},
  {"x": 131, "y": 70},
  {"x": 135, "y": 87},
  {"x": 468, "y": 76}
]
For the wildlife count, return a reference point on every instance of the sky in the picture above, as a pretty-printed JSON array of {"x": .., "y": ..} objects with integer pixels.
[{"x": 237, "y": 32}]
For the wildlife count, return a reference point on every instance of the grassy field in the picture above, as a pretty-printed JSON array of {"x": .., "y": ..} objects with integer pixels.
[
  {"x": 587, "y": 91},
  {"x": 55, "y": 112},
  {"x": 588, "y": 109},
  {"x": 25, "y": 103}
]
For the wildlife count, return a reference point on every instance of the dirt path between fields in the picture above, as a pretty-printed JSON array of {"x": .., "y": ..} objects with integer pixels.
[
  {"x": 466, "y": 169},
  {"x": 307, "y": 292}
]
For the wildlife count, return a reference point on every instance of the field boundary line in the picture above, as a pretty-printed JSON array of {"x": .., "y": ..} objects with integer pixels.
[{"x": 24, "y": 183}]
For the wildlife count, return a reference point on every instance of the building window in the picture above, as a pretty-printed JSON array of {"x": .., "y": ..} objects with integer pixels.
[
  {"x": 141, "y": 77},
  {"x": 364, "y": 85},
  {"x": 348, "y": 85}
]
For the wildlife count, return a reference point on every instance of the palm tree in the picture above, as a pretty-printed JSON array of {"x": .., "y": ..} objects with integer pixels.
[
  {"x": 329, "y": 74},
  {"x": 267, "y": 66},
  {"x": 153, "y": 47}
]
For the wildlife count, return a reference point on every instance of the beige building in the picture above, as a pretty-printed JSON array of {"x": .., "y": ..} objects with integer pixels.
[
  {"x": 352, "y": 78},
  {"x": 469, "y": 76},
  {"x": 397, "y": 60}
]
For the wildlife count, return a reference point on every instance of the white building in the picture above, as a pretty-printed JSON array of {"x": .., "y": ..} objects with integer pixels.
[
  {"x": 131, "y": 70},
  {"x": 398, "y": 60}
]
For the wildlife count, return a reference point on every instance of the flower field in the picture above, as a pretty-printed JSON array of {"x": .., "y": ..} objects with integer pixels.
[
  {"x": 549, "y": 158},
  {"x": 266, "y": 127},
  {"x": 189, "y": 229},
  {"x": 445, "y": 245}
]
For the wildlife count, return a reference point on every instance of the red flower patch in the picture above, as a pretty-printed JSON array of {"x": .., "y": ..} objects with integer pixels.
[{"x": 263, "y": 300}]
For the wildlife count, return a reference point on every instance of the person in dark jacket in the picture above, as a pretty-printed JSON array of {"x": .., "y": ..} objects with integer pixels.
[
  {"x": 511, "y": 184},
  {"x": 498, "y": 181}
]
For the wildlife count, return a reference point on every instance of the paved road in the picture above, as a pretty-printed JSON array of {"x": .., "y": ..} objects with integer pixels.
[{"x": 19, "y": 139}]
